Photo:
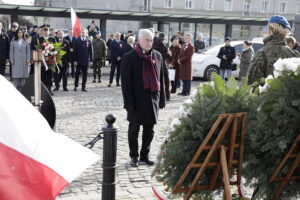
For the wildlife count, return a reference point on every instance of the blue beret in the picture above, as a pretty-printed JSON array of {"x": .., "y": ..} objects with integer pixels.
[
  {"x": 98, "y": 32},
  {"x": 280, "y": 20}
]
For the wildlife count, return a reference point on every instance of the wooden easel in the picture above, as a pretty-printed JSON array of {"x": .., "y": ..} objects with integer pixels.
[
  {"x": 225, "y": 163},
  {"x": 292, "y": 154}
]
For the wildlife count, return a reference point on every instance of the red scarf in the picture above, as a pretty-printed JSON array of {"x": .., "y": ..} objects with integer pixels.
[{"x": 150, "y": 78}]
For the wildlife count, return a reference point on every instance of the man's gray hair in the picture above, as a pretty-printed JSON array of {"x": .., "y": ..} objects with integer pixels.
[
  {"x": 143, "y": 32},
  {"x": 130, "y": 39}
]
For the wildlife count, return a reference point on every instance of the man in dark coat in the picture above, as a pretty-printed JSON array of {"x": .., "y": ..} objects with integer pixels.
[
  {"x": 83, "y": 57},
  {"x": 46, "y": 75},
  {"x": 71, "y": 40},
  {"x": 12, "y": 32},
  {"x": 4, "y": 49},
  {"x": 161, "y": 46},
  {"x": 116, "y": 49},
  {"x": 226, "y": 54},
  {"x": 143, "y": 93},
  {"x": 129, "y": 45},
  {"x": 62, "y": 74}
]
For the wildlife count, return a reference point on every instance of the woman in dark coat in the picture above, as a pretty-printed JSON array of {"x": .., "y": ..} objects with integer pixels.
[
  {"x": 173, "y": 62},
  {"x": 246, "y": 58},
  {"x": 226, "y": 54},
  {"x": 185, "y": 64}
]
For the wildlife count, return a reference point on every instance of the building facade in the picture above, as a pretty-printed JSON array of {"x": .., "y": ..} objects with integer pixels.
[{"x": 234, "y": 8}]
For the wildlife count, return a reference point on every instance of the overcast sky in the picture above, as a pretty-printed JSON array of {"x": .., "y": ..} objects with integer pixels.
[{"x": 18, "y": 2}]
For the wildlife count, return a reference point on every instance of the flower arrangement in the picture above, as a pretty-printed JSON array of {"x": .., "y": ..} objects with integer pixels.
[{"x": 52, "y": 54}]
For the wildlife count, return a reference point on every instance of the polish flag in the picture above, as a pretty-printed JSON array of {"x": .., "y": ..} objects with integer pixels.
[
  {"x": 75, "y": 23},
  {"x": 35, "y": 162}
]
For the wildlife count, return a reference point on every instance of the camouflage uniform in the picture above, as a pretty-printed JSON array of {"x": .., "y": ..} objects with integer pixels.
[
  {"x": 99, "y": 48},
  {"x": 262, "y": 64}
]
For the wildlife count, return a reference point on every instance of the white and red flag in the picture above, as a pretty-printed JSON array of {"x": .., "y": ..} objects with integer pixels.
[
  {"x": 35, "y": 162},
  {"x": 75, "y": 23}
]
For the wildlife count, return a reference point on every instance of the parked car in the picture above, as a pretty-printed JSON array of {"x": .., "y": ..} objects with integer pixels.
[{"x": 206, "y": 62}]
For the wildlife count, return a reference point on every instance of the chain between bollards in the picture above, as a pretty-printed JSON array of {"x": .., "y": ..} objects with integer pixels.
[{"x": 109, "y": 159}]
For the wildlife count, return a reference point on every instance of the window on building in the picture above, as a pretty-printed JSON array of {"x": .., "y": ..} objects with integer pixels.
[
  {"x": 298, "y": 8},
  {"x": 265, "y": 6},
  {"x": 209, "y": 4},
  {"x": 228, "y": 5},
  {"x": 146, "y": 5},
  {"x": 282, "y": 7},
  {"x": 188, "y": 4},
  {"x": 247, "y": 7},
  {"x": 168, "y": 3}
]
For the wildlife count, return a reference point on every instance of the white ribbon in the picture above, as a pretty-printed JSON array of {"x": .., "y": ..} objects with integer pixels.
[{"x": 44, "y": 61}]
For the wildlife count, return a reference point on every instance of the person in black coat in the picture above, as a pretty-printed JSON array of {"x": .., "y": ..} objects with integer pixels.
[
  {"x": 226, "y": 54},
  {"x": 161, "y": 46},
  {"x": 116, "y": 49},
  {"x": 129, "y": 45},
  {"x": 63, "y": 70},
  {"x": 46, "y": 75},
  {"x": 143, "y": 94},
  {"x": 83, "y": 58},
  {"x": 71, "y": 40},
  {"x": 4, "y": 49},
  {"x": 199, "y": 43}
]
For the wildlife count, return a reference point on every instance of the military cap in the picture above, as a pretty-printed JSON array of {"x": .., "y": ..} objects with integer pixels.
[
  {"x": 280, "y": 20},
  {"x": 45, "y": 26},
  {"x": 98, "y": 32},
  {"x": 227, "y": 39}
]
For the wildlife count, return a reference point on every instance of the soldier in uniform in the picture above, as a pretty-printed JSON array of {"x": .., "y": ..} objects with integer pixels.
[
  {"x": 4, "y": 49},
  {"x": 275, "y": 48},
  {"x": 99, "y": 47},
  {"x": 62, "y": 74},
  {"x": 46, "y": 75}
]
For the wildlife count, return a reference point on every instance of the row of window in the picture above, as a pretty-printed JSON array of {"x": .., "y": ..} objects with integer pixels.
[{"x": 228, "y": 5}]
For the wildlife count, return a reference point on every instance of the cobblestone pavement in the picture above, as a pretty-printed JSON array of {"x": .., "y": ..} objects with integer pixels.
[{"x": 80, "y": 116}]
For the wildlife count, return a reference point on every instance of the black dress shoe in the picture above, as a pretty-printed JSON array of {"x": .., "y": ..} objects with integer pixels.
[
  {"x": 75, "y": 88},
  {"x": 182, "y": 94},
  {"x": 56, "y": 89},
  {"x": 66, "y": 89},
  {"x": 99, "y": 81},
  {"x": 84, "y": 90},
  {"x": 186, "y": 94},
  {"x": 118, "y": 84},
  {"x": 134, "y": 162},
  {"x": 94, "y": 81},
  {"x": 146, "y": 161}
]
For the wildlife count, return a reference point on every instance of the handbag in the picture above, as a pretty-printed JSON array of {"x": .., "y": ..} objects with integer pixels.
[
  {"x": 171, "y": 74},
  {"x": 234, "y": 67}
]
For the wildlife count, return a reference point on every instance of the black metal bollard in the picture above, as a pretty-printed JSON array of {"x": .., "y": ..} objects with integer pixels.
[{"x": 109, "y": 159}]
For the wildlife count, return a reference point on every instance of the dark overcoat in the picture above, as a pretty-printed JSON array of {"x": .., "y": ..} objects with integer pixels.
[
  {"x": 229, "y": 52},
  {"x": 83, "y": 51},
  {"x": 143, "y": 103},
  {"x": 4, "y": 48},
  {"x": 185, "y": 58},
  {"x": 71, "y": 42},
  {"x": 116, "y": 50}
]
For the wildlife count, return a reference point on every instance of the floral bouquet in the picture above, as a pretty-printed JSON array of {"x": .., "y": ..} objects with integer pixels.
[{"x": 52, "y": 54}]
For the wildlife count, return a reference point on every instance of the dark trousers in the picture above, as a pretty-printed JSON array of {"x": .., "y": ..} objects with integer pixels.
[
  {"x": 83, "y": 69},
  {"x": 174, "y": 85},
  {"x": 167, "y": 86},
  {"x": 61, "y": 75},
  {"x": 186, "y": 86},
  {"x": 133, "y": 134},
  {"x": 2, "y": 69},
  {"x": 46, "y": 77},
  {"x": 72, "y": 69},
  {"x": 114, "y": 65},
  {"x": 97, "y": 66}
]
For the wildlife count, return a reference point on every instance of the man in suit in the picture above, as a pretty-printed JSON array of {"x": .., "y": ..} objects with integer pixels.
[
  {"x": 71, "y": 40},
  {"x": 185, "y": 64},
  {"x": 116, "y": 49},
  {"x": 83, "y": 58},
  {"x": 4, "y": 49},
  {"x": 143, "y": 94},
  {"x": 62, "y": 74},
  {"x": 130, "y": 44},
  {"x": 46, "y": 75}
]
